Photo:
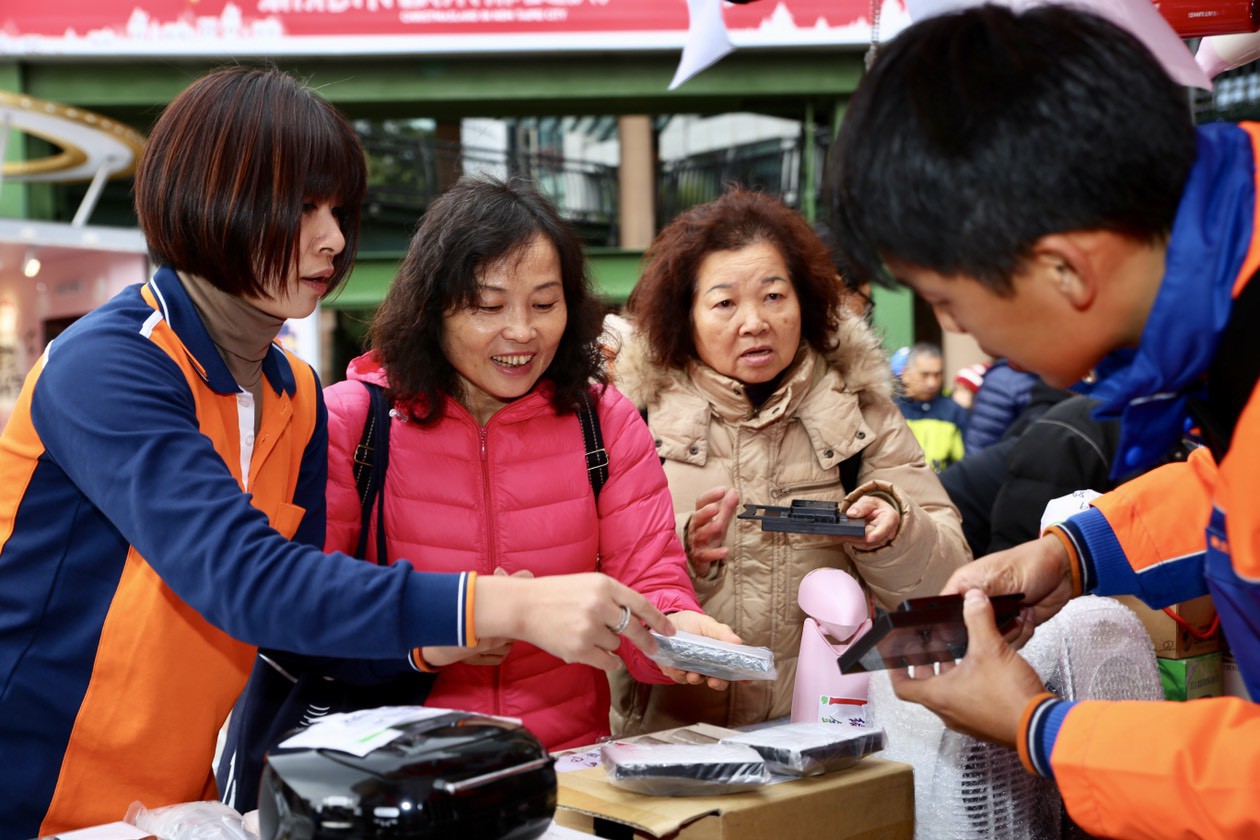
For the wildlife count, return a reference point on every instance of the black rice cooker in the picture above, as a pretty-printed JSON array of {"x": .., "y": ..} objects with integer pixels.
[{"x": 454, "y": 775}]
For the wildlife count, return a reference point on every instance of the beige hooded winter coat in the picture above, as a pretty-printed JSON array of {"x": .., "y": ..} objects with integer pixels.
[{"x": 707, "y": 433}]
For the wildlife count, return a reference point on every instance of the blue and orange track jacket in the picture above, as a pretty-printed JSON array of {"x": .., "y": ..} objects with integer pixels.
[
  {"x": 136, "y": 577},
  {"x": 1129, "y": 769}
]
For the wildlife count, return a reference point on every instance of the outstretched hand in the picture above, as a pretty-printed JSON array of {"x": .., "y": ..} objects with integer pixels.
[
  {"x": 1039, "y": 569},
  {"x": 572, "y": 617},
  {"x": 701, "y": 625},
  {"x": 488, "y": 651},
  {"x": 985, "y": 693},
  {"x": 883, "y": 521},
  {"x": 706, "y": 530},
  {"x": 485, "y": 652}
]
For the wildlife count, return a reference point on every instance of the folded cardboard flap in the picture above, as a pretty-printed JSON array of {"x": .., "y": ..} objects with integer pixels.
[{"x": 873, "y": 799}]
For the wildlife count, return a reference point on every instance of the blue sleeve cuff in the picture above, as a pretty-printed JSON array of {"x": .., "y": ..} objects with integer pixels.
[
  {"x": 1104, "y": 568},
  {"x": 438, "y": 609},
  {"x": 1043, "y": 730}
]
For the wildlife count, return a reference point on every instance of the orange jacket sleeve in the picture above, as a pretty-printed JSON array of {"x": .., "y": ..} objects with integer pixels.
[
  {"x": 1181, "y": 769},
  {"x": 1146, "y": 537}
]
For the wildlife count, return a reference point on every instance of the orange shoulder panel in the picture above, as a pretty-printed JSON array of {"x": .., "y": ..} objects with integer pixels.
[
  {"x": 1161, "y": 514},
  {"x": 20, "y": 448},
  {"x": 1238, "y": 490}
]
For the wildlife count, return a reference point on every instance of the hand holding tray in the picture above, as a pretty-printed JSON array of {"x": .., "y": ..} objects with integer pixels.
[
  {"x": 920, "y": 632},
  {"x": 806, "y": 516}
]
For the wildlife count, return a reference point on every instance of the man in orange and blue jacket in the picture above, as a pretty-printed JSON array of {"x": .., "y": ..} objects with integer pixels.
[{"x": 1036, "y": 178}]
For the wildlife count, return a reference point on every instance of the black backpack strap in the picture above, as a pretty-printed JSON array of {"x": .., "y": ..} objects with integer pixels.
[
  {"x": 643, "y": 412},
  {"x": 849, "y": 469},
  {"x": 596, "y": 455},
  {"x": 1232, "y": 375},
  {"x": 371, "y": 460}
]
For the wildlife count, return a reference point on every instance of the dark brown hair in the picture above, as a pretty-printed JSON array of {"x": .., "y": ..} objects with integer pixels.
[
  {"x": 662, "y": 300},
  {"x": 221, "y": 183},
  {"x": 476, "y": 224}
]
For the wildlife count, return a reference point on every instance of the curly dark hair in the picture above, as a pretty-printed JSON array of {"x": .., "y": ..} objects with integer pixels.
[
  {"x": 476, "y": 224},
  {"x": 662, "y": 300}
]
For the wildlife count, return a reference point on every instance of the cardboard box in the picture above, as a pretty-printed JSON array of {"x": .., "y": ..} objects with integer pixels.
[
  {"x": 1191, "y": 678},
  {"x": 1171, "y": 639},
  {"x": 1232, "y": 684},
  {"x": 873, "y": 800}
]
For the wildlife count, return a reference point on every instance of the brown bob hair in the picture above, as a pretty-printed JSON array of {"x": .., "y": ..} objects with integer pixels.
[
  {"x": 662, "y": 299},
  {"x": 223, "y": 178}
]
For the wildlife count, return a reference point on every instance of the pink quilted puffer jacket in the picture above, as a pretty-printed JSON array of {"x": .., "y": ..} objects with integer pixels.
[{"x": 515, "y": 494}]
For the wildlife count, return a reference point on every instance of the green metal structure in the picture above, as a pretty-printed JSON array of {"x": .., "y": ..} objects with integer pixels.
[{"x": 807, "y": 84}]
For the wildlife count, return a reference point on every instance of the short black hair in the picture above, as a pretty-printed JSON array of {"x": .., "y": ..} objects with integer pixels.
[
  {"x": 479, "y": 223},
  {"x": 978, "y": 132},
  {"x": 221, "y": 183},
  {"x": 923, "y": 349}
]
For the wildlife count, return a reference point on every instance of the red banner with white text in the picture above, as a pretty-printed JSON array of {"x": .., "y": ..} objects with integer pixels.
[{"x": 128, "y": 28}]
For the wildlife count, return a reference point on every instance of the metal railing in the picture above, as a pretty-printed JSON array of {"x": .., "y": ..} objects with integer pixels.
[
  {"x": 409, "y": 171},
  {"x": 1235, "y": 95},
  {"x": 773, "y": 166}
]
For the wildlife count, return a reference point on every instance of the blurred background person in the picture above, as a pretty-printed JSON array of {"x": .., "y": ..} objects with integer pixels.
[
  {"x": 1002, "y": 489},
  {"x": 760, "y": 387},
  {"x": 966, "y": 383},
  {"x": 937, "y": 421},
  {"x": 1002, "y": 397}
]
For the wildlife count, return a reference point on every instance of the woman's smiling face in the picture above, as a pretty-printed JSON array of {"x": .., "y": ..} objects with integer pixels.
[{"x": 506, "y": 340}]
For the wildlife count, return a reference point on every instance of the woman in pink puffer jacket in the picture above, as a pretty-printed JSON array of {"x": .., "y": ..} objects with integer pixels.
[{"x": 485, "y": 342}]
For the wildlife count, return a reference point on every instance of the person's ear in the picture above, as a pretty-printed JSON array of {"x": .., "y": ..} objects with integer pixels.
[{"x": 1070, "y": 263}]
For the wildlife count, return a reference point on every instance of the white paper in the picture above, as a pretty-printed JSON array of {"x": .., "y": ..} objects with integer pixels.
[
  {"x": 359, "y": 733},
  {"x": 559, "y": 832},
  {"x": 580, "y": 760},
  {"x": 707, "y": 39},
  {"x": 1061, "y": 509}
]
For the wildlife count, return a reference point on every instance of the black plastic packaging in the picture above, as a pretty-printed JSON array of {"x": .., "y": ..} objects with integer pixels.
[
  {"x": 811, "y": 749},
  {"x": 921, "y": 631},
  {"x": 683, "y": 769}
]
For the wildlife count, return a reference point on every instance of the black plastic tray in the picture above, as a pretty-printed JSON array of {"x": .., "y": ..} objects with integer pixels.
[
  {"x": 920, "y": 632},
  {"x": 806, "y": 516}
]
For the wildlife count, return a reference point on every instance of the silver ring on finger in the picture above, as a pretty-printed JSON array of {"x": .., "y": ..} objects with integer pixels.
[{"x": 624, "y": 623}]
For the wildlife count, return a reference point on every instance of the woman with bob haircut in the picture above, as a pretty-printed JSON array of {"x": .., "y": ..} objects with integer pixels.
[
  {"x": 487, "y": 343},
  {"x": 162, "y": 496},
  {"x": 761, "y": 387}
]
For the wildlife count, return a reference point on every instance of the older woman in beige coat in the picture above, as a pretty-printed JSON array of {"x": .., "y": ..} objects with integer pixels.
[{"x": 758, "y": 386}]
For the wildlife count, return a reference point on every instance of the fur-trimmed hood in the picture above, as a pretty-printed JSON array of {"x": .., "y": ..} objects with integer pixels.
[{"x": 858, "y": 358}]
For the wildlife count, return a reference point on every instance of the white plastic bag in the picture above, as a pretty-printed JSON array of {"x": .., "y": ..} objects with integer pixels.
[{"x": 190, "y": 821}]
